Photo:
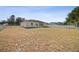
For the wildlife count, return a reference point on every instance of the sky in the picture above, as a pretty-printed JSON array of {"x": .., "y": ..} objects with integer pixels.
[{"x": 42, "y": 13}]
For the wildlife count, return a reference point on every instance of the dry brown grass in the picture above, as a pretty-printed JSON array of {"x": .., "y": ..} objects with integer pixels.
[{"x": 40, "y": 39}]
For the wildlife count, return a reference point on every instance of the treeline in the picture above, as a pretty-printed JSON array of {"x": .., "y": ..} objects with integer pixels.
[{"x": 12, "y": 20}]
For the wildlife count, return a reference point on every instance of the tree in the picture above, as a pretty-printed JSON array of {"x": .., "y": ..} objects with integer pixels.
[
  {"x": 18, "y": 20},
  {"x": 73, "y": 17},
  {"x": 3, "y": 22},
  {"x": 11, "y": 20}
]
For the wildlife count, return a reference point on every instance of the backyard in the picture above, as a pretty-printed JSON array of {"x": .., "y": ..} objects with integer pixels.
[{"x": 19, "y": 39}]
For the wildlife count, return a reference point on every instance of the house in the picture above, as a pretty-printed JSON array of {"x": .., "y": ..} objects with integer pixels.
[{"x": 33, "y": 24}]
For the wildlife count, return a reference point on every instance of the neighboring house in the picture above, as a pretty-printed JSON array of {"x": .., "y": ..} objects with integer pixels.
[{"x": 33, "y": 24}]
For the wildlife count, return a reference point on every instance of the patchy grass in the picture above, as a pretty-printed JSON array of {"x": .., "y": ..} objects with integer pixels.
[{"x": 40, "y": 39}]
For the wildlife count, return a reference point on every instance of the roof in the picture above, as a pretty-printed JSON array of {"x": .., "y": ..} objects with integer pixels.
[{"x": 31, "y": 20}]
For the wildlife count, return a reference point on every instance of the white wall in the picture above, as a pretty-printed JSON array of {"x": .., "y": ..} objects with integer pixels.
[{"x": 28, "y": 24}]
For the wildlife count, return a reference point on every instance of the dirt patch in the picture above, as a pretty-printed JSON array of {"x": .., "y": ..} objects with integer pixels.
[{"x": 41, "y": 39}]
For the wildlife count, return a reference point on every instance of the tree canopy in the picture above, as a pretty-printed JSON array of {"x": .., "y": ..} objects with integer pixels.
[
  {"x": 73, "y": 17},
  {"x": 18, "y": 20},
  {"x": 11, "y": 20}
]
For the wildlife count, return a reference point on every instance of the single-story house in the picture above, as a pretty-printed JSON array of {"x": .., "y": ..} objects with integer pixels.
[{"x": 33, "y": 24}]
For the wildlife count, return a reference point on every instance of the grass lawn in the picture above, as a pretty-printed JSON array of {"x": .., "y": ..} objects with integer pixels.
[{"x": 39, "y": 39}]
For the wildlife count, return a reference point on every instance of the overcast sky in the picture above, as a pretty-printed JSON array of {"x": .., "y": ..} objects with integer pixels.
[{"x": 43, "y": 13}]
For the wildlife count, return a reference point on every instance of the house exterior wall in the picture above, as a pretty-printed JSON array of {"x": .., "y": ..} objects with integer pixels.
[{"x": 30, "y": 24}]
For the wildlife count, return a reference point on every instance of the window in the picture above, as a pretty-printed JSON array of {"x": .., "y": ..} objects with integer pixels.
[
  {"x": 36, "y": 24},
  {"x": 31, "y": 24}
]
